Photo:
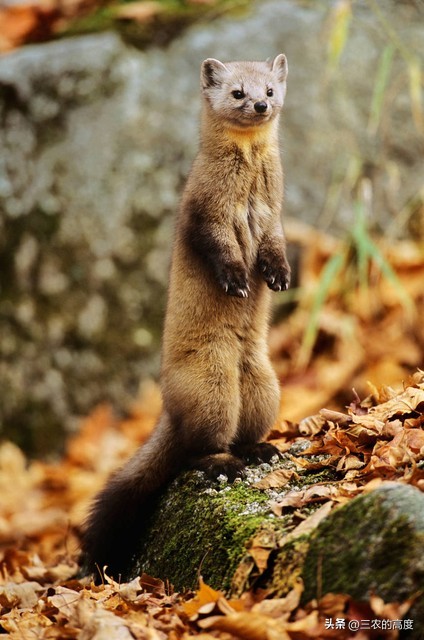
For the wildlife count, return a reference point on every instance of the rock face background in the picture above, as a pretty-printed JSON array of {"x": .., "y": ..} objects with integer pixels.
[{"x": 96, "y": 139}]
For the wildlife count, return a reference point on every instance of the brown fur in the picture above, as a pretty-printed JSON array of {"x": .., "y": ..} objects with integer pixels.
[{"x": 220, "y": 393}]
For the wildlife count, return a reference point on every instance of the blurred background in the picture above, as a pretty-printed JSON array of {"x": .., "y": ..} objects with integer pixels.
[{"x": 99, "y": 108}]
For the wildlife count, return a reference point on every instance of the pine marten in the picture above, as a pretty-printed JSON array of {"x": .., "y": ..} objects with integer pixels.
[{"x": 220, "y": 393}]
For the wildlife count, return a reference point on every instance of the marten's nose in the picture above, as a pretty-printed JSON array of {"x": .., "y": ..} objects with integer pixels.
[{"x": 261, "y": 107}]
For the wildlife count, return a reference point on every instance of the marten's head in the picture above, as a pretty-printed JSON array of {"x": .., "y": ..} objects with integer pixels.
[{"x": 245, "y": 94}]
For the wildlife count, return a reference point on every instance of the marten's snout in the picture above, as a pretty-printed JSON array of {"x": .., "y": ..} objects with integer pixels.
[{"x": 261, "y": 106}]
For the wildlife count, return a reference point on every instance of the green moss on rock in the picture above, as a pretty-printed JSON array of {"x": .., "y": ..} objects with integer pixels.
[
  {"x": 374, "y": 544},
  {"x": 202, "y": 528}
]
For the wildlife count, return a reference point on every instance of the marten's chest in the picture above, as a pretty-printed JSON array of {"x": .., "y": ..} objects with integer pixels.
[
  {"x": 259, "y": 199},
  {"x": 251, "y": 218}
]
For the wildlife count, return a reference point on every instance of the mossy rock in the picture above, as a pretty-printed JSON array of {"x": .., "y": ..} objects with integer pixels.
[
  {"x": 203, "y": 528},
  {"x": 373, "y": 544}
]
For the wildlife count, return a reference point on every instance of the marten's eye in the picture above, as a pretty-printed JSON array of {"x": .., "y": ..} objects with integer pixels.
[
  {"x": 270, "y": 93},
  {"x": 238, "y": 95}
]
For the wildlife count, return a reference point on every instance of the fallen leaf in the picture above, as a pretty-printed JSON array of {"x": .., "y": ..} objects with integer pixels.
[
  {"x": 260, "y": 547},
  {"x": 249, "y": 626},
  {"x": 312, "y": 425},
  {"x": 64, "y": 600},
  {"x": 205, "y": 596},
  {"x": 309, "y": 524},
  {"x": 298, "y": 498},
  {"x": 280, "y": 607},
  {"x": 335, "y": 416},
  {"x": 23, "y": 596},
  {"x": 276, "y": 479}
]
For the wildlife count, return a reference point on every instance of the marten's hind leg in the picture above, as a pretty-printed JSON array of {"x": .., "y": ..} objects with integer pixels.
[
  {"x": 260, "y": 400},
  {"x": 203, "y": 399}
]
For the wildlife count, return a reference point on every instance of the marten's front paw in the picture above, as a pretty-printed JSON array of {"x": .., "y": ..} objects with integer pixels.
[
  {"x": 275, "y": 272},
  {"x": 233, "y": 279}
]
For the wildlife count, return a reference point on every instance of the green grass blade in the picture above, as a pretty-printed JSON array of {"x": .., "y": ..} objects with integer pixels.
[
  {"x": 329, "y": 274},
  {"x": 383, "y": 73},
  {"x": 389, "y": 273},
  {"x": 360, "y": 245}
]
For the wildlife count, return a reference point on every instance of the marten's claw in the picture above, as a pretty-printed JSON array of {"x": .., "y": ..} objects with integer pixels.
[
  {"x": 234, "y": 281},
  {"x": 234, "y": 290},
  {"x": 276, "y": 277}
]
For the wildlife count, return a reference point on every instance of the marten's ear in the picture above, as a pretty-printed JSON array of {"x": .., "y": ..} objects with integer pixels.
[
  {"x": 280, "y": 67},
  {"x": 212, "y": 73}
]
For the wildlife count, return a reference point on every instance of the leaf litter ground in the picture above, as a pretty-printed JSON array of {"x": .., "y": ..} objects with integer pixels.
[{"x": 368, "y": 442}]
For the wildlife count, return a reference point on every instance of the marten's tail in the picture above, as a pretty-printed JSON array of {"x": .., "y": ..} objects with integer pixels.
[{"x": 120, "y": 510}]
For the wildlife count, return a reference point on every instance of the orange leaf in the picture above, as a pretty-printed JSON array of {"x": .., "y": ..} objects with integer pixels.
[{"x": 204, "y": 596}]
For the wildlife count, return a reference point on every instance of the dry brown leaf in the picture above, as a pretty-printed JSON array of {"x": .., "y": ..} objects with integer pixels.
[
  {"x": 280, "y": 608},
  {"x": 24, "y": 595},
  {"x": 366, "y": 427},
  {"x": 349, "y": 462},
  {"x": 248, "y": 626},
  {"x": 155, "y": 585},
  {"x": 337, "y": 417},
  {"x": 276, "y": 479},
  {"x": 392, "y": 427},
  {"x": 308, "y": 624},
  {"x": 312, "y": 425},
  {"x": 348, "y": 490},
  {"x": 96, "y": 623},
  {"x": 21, "y": 624},
  {"x": 260, "y": 547},
  {"x": 64, "y": 600},
  {"x": 333, "y": 604},
  {"x": 338, "y": 441},
  {"x": 44, "y": 574},
  {"x": 291, "y": 499},
  {"x": 389, "y": 610},
  {"x": 298, "y": 498},
  {"x": 310, "y": 523},
  {"x": 414, "y": 439},
  {"x": 402, "y": 403}
]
